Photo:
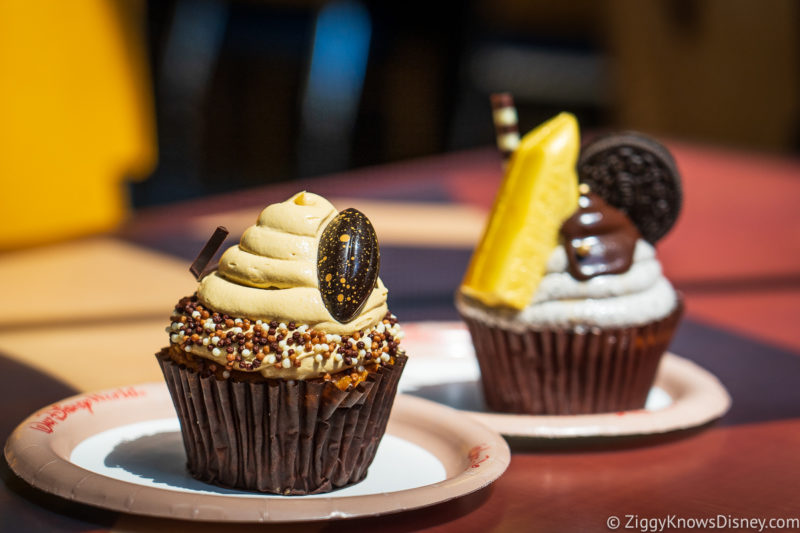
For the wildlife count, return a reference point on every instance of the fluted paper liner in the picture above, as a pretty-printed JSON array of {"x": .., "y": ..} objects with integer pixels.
[
  {"x": 282, "y": 437},
  {"x": 567, "y": 372}
]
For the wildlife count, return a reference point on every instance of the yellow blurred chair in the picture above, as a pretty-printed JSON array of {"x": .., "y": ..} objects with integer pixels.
[{"x": 76, "y": 116}]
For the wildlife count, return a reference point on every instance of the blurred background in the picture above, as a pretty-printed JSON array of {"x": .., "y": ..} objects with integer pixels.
[{"x": 113, "y": 105}]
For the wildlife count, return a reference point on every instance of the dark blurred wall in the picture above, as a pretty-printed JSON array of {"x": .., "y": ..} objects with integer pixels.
[
  {"x": 720, "y": 71},
  {"x": 231, "y": 79}
]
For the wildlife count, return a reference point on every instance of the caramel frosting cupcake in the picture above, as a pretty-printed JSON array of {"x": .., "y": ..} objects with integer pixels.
[{"x": 290, "y": 334}]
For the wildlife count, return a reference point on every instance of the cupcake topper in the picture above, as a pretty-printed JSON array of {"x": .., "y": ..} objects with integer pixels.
[
  {"x": 539, "y": 191},
  {"x": 506, "y": 124},
  {"x": 637, "y": 175},
  {"x": 348, "y": 260},
  {"x": 199, "y": 265}
]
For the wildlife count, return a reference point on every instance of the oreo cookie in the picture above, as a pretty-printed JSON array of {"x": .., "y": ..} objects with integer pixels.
[{"x": 637, "y": 175}]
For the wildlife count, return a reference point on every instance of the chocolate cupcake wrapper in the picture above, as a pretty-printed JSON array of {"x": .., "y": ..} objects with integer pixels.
[
  {"x": 563, "y": 372},
  {"x": 282, "y": 437}
]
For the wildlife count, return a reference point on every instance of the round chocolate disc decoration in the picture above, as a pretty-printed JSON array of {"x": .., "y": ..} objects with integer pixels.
[
  {"x": 348, "y": 260},
  {"x": 637, "y": 175}
]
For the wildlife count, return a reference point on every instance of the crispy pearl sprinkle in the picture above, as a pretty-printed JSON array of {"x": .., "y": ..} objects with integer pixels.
[{"x": 244, "y": 344}]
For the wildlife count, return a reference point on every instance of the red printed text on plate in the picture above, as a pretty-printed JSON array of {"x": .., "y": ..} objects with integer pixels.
[{"x": 58, "y": 412}]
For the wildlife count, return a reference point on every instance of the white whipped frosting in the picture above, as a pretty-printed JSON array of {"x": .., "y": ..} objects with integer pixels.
[{"x": 640, "y": 295}]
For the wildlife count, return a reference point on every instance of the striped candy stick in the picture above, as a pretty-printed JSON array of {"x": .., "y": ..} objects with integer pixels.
[{"x": 506, "y": 124}]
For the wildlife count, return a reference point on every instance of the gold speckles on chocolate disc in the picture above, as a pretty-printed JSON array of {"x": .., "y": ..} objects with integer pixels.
[{"x": 348, "y": 261}]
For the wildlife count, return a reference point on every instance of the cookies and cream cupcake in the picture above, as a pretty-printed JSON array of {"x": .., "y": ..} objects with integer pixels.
[
  {"x": 565, "y": 300},
  {"x": 284, "y": 364}
]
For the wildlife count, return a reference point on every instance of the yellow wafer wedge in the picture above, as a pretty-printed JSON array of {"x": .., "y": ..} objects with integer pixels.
[{"x": 539, "y": 192}]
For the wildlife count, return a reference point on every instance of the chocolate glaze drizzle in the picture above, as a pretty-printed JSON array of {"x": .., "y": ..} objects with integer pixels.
[{"x": 598, "y": 238}]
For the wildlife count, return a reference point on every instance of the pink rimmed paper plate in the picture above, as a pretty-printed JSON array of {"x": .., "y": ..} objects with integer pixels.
[
  {"x": 121, "y": 449},
  {"x": 442, "y": 366}
]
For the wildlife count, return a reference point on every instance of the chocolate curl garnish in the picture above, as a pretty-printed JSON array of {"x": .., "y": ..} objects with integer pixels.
[
  {"x": 198, "y": 268},
  {"x": 506, "y": 124}
]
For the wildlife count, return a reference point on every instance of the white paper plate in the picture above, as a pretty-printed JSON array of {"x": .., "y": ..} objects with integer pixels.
[
  {"x": 121, "y": 449},
  {"x": 684, "y": 395}
]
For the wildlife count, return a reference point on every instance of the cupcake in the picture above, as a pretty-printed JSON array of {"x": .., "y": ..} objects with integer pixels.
[
  {"x": 564, "y": 297},
  {"x": 284, "y": 364}
]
